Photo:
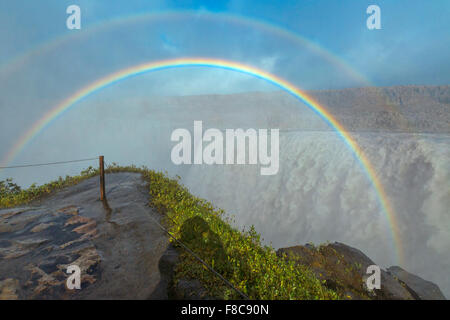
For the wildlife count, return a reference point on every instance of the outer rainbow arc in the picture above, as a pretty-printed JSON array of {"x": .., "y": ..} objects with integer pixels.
[
  {"x": 206, "y": 62},
  {"x": 269, "y": 27}
]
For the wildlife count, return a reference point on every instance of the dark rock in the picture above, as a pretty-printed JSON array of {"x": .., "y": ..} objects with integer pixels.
[
  {"x": 190, "y": 289},
  {"x": 167, "y": 263},
  {"x": 343, "y": 269},
  {"x": 420, "y": 288},
  {"x": 390, "y": 288}
]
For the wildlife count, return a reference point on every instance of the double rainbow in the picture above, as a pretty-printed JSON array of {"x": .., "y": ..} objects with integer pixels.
[
  {"x": 71, "y": 101},
  {"x": 185, "y": 16}
]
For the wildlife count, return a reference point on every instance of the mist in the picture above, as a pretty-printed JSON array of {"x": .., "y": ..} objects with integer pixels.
[{"x": 321, "y": 192}]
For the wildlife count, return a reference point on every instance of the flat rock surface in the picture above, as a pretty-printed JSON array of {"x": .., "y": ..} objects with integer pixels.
[{"x": 117, "y": 245}]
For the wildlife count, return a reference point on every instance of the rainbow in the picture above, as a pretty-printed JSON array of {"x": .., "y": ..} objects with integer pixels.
[
  {"x": 113, "y": 78},
  {"x": 21, "y": 60}
]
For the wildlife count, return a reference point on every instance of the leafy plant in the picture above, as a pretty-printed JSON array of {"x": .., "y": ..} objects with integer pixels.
[{"x": 9, "y": 188}]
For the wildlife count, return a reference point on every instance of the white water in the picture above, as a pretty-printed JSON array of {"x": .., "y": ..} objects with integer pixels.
[{"x": 322, "y": 194}]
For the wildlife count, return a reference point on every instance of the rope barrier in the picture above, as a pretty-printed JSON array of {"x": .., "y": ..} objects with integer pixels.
[
  {"x": 211, "y": 269},
  {"x": 47, "y": 164},
  {"x": 228, "y": 283}
]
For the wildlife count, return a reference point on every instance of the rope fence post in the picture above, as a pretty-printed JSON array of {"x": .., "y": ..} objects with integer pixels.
[{"x": 102, "y": 177}]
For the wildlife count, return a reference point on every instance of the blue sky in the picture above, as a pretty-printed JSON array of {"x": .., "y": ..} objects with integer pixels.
[
  {"x": 412, "y": 47},
  {"x": 325, "y": 45}
]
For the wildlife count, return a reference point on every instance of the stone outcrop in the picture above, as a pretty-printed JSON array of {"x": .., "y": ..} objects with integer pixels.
[
  {"x": 343, "y": 269},
  {"x": 419, "y": 288}
]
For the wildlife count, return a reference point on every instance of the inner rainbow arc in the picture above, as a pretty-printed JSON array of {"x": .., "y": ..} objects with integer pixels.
[{"x": 66, "y": 104}]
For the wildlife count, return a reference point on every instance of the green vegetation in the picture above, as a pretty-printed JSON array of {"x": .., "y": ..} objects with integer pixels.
[
  {"x": 12, "y": 195},
  {"x": 238, "y": 255},
  {"x": 332, "y": 267}
]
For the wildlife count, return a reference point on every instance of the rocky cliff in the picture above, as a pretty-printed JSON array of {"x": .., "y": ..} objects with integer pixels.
[
  {"x": 116, "y": 245},
  {"x": 123, "y": 253},
  {"x": 412, "y": 109}
]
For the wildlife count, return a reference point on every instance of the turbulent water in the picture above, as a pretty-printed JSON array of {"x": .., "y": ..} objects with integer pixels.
[{"x": 321, "y": 193}]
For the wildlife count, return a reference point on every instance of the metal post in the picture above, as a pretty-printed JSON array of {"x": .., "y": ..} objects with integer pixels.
[{"x": 102, "y": 178}]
